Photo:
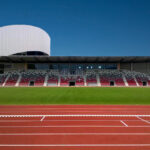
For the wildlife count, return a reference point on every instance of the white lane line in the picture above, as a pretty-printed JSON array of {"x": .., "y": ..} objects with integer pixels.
[
  {"x": 24, "y": 134},
  {"x": 19, "y": 120},
  {"x": 74, "y": 115},
  {"x": 124, "y": 123},
  {"x": 73, "y": 145},
  {"x": 143, "y": 120},
  {"x": 62, "y": 120},
  {"x": 42, "y": 118},
  {"x": 73, "y": 126}
]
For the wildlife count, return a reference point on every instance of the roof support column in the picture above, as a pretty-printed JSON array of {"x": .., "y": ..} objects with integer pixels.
[
  {"x": 131, "y": 66},
  {"x": 118, "y": 66}
]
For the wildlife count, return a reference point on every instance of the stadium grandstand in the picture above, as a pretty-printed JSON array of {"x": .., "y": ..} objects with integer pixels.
[{"x": 25, "y": 61}]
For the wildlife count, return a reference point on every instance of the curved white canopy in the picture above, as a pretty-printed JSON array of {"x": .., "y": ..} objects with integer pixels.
[{"x": 23, "y": 38}]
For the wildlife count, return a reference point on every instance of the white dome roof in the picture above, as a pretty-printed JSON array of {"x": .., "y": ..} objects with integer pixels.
[{"x": 23, "y": 38}]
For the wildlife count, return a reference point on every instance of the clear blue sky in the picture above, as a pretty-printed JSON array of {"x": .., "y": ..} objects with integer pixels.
[{"x": 86, "y": 27}]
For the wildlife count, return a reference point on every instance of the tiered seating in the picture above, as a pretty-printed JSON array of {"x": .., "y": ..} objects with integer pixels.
[
  {"x": 141, "y": 77},
  {"x": 64, "y": 80},
  {"x": 12, "y": 80},
  {"x": 79, "y": 81},
  {"x": 64, "y": 72},
  {"x": 130, "y": 78},
  {"x": 106, "y": 76},
  {"x": 53, "y": 76},
  {"x": 52, "y": 80},
  {"x": 91, "y": 77},
  {"x": 79, "y": 72},
  {"x": 2, "y": 78},
  {"x": 91, "y": 80},
  {"x": 37, "y": 77}
]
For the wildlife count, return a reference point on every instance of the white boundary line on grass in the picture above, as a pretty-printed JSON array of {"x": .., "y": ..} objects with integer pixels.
[{"x": 73, "y": 145}]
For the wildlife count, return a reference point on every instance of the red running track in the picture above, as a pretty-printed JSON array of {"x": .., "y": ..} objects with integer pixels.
[{"x": 75, "y": 133}]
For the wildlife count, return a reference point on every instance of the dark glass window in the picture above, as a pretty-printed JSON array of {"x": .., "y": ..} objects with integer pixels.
[
  {"x": 53, "y": 66},
  {"x": 1, "y": 66},
  {"x": 31, "y": 66},
  {"x": 1, "y": 71}
]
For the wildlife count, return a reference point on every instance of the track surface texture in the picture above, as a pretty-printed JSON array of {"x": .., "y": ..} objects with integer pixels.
[{"x": 75, "y": 127}]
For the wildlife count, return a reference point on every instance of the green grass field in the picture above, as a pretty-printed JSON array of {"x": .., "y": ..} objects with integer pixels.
[{"x": 74, "y": 95}]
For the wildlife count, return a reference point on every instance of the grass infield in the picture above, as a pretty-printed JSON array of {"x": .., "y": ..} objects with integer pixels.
[{"x": 62, "y": 95}]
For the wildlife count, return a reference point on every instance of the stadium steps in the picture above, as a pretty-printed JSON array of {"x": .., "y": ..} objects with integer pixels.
[
  {"x": 45, "y": 81},
  {"x": 98, "y": 80},
  {"x": 85, "y": 84},
  {"x": 59, "y": 80},
  {"x": 6, "y": 80},
  {"x": 18, "y": 81},
  {"x": 125, "y": 81},
  {"x": 136, "y": 81}
]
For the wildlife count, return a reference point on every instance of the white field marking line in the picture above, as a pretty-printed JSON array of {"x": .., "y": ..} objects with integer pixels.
[
  {"x": 18, "y": 134},
  {"x": 143, "y": 120},
  {"x": 75, "y": 115},
  {"x": 42, "y": 118},
  {"x": 123, "y": 123},
  {"x": 72, "y": 126},
  {"x": 73, "y": 145}
]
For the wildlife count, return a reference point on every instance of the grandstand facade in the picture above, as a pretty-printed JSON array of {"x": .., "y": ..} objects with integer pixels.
[
  {"x": 74, "y": 71},
  {"x": 25, "y": 61}
]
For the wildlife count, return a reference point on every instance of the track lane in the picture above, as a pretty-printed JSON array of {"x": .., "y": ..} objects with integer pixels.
[
  {"x": 76, "y": 109},
  {"x": 75, "y": 139},
  {"x": 75, "y": 106},
  {"x": 75, "y": 130},
  {"x": 76, "y": 113},
  {"x": 132, "y": 136},
  {"x": 68, "y": 118},
  {"x": 63, "y": 123},
  {"x": 79, "y": 148}
]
